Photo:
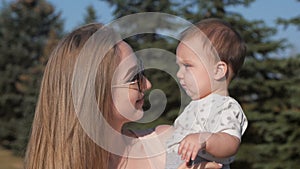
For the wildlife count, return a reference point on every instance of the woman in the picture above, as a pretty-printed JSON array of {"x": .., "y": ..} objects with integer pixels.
[{"x": 61, "y": 137}]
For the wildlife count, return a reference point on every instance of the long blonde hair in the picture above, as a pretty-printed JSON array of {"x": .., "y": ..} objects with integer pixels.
[{"x": 57, "y": 139}]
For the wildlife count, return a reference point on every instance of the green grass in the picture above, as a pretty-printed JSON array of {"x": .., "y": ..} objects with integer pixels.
[{"x": 9, "y": 161}]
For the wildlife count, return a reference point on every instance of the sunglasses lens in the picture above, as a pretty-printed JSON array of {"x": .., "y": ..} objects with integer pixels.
[
  {"x": 135, "y": 78},
  {"x": 140, "y": 80},
  {"x": 139, "y": 77}
]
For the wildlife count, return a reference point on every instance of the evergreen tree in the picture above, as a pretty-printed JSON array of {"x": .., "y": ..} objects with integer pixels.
[
  {"x": 267, "y": 88},
  {"x": 127, "y": 7},
  {"x": 28, "y": 31},
  {"x": 90, "y": 16},
  {"x": 290, "y": 21},
  {"x": 271, "y": 141}
]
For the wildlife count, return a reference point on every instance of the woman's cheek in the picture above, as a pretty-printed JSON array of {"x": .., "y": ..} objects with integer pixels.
[
  {"x": 125, "y": 105},
  {"x": 137, "y": 112}
]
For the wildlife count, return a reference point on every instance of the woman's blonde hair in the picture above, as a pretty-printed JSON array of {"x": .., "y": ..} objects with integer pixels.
[{"x": 57, "y": 139}]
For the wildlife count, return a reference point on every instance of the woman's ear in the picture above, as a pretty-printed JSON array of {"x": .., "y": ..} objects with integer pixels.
[{"x": 220, "y": 70}]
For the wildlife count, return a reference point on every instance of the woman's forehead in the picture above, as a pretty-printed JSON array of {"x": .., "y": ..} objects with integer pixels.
[
  {"x": 129, "y": 64},
  {"x": 125, "y": 49}
]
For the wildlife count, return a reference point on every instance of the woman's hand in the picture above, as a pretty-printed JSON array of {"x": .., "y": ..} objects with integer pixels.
[{"x": 202, "y": 165}]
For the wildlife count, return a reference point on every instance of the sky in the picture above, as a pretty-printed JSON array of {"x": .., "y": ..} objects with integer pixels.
[{"x": 73, "y": 14}]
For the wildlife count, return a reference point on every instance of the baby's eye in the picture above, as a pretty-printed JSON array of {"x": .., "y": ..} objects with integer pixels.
[{"x": 187, "y": 65}]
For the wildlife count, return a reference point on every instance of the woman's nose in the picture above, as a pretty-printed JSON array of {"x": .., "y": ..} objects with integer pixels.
[{"x": 148, "y": 84}]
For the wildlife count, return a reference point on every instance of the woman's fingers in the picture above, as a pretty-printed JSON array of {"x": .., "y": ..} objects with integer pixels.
[
  {"x": 183, "y": 166},
  {"x": 203, "y": 165},
  {"x": 211, "y": 165}
]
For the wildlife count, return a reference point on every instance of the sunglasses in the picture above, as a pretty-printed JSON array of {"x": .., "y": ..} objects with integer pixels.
[{"x": 137, "y": 80}]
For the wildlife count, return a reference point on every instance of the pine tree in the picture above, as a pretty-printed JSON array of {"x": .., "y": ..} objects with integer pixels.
[
  {"x": 273, "y": 135},
  {"x": 90, "y": 16},
  {"x": 29, "y": 29},
  {"x": 126, "y": 7}
]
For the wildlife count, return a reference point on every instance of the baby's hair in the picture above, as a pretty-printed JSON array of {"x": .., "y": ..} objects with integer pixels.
[{"x": 226, "y": 41}]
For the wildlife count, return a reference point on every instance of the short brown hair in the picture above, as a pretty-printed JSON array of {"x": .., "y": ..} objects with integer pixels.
[{"x": 227, "y": 42}]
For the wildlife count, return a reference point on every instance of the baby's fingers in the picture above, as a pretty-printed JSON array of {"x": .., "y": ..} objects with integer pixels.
[
  {"x": 187, "y": 156},
  {"x": 194, "y": 154},
  {"x": 182, "y": 146},
  {"x": 185, "y": 150}
]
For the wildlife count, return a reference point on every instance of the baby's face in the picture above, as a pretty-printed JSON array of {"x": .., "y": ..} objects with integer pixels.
[{"x": 194, "y": 72}]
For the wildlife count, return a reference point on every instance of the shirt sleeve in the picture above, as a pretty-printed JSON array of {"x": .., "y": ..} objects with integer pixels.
[{"x": 232, "y": 119}]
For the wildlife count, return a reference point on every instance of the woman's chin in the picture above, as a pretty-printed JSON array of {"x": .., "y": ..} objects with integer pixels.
[
  {"x": 139, "y": 114},
  {"x": 134, "y": 115}
]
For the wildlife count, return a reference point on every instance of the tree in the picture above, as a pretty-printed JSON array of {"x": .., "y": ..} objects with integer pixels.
[
  {"x": 90, "y": 15},
  {"x": 27, "y": 27},
  {"x": 126, "y": 7},
  {"x": 291, "y": 21},
  {"x": 272, "y": 114},
  {"x": 266, "y": 87}
]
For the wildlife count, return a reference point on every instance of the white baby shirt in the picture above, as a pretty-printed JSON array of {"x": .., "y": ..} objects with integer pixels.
[{"x": 214, "y": 113}]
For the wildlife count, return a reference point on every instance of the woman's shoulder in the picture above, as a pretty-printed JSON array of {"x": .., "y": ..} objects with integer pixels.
[
  {"x": 162, "y": 128},
  {"x": 148, "y": 150}
]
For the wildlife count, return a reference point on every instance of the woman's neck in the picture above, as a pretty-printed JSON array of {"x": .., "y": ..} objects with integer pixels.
[{"x": 117, "y": 125}]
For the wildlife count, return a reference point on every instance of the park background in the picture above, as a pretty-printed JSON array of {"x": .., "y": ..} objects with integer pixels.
[{"x": 267, "y": 87}]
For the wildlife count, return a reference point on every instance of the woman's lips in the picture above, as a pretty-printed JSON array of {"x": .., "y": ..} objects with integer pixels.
[{"x": 140, "y": 103}]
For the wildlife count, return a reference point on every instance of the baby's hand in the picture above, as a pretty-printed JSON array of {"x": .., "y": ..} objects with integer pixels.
[
  {"x": 189, "y": 147},
  {"x": 191, "y": 144}
]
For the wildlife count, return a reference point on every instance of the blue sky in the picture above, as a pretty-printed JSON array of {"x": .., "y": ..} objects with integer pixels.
[{"x": 73, "y": 13}]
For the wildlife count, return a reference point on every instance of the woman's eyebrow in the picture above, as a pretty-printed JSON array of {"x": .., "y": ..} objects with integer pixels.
[{"x": 131, "y": 70}]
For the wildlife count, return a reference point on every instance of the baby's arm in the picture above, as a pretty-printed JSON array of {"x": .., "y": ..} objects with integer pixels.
[{"x": 220, "y": 145}]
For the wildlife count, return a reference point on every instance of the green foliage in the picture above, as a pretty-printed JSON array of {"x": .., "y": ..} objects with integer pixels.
[
  {"x": 90, "y": 15},
  {"x": 25, "y": 28},
  {"x": 292, "y": 21},
  {"x": 126, "y": 7},
  {"x": 270, "y": 99}
]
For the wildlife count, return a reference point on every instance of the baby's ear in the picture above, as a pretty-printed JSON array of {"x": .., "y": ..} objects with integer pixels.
[{"x": 220, "y": 70}]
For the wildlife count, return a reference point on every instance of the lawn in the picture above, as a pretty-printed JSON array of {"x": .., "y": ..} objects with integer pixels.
[{"x": 9, "y": 161}]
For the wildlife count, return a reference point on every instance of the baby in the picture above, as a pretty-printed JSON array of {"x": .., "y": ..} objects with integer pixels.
[{"x": 209, "y": 56}]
